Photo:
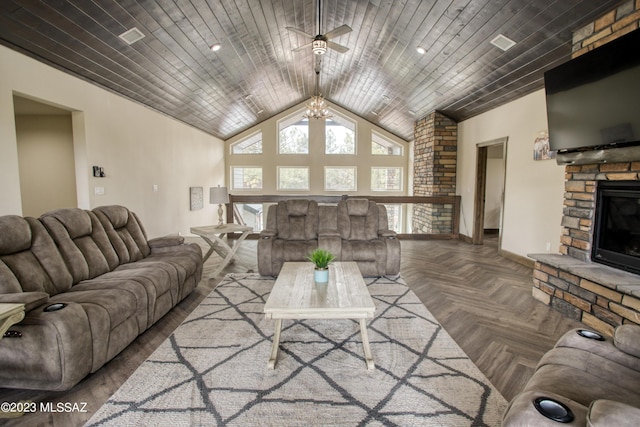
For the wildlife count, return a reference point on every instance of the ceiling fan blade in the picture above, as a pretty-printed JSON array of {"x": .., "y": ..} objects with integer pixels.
[
  {"x": 297, "y": 31},
  {"x": 337, "y": 47},
  {"x": 337, "y": 32},
  {"x": 303, "y": 47}
]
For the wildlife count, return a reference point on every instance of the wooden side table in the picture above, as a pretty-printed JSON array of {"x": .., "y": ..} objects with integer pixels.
[
  {"x": 10, "y": 314},
  {"x": 213, "y": 235}
]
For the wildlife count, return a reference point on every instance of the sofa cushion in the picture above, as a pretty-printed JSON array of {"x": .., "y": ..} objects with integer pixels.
[
  {"x": 35, "y": 265},
  {"x": 125, "y": 232},
  {"x": 297, "y": 220},
  {"x": 16, "y": 235},
  {"x": 357, "y": 219},
  {"x": 627, "y": 339},
  {"x": 357, "y": 207},
  {"x": 82, "y": 241}
]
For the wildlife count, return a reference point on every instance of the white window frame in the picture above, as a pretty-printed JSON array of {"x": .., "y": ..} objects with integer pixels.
[
  {"x": 401, "y": 169},
  {"x": 281, "y": 168},
  {"x": 256, "y": 135},
  {"x": 387, "y": 142},
  {"x": 340, "y": 120},
  {"x": 286, "y": 122},
  {"x": 232, "y": 178},
  {"x": 355, "y": 178}
]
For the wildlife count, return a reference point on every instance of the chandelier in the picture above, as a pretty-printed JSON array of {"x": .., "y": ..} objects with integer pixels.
[{"x": 317, "y": 107}]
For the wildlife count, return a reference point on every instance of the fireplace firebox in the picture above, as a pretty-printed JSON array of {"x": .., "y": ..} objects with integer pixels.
[{"x": 616, "y": 238}]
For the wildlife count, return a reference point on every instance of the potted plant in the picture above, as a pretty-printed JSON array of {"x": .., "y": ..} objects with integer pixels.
[{"x": 321, "y": 258}]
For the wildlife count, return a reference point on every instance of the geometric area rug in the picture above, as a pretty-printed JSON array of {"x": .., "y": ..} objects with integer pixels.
[{"x": 213, "y": 369}]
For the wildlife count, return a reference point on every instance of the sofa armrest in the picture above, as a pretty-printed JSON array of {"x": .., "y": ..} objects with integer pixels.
[
  {"x": 30, "y": 300},
  {"x": 162, "y": 242},
  {"x": 267, "y": 234},
  {"x": 387, "y": 234},
  {"x": 627, "y": 339},
  {"x": 605, "y": 413}
]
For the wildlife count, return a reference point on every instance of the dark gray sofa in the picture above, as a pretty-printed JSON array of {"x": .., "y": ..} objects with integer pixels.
[
  {"x": 112, "y": 282},
  {"x": 597, "y": 379},
  {"x": 354, "y": 230}
]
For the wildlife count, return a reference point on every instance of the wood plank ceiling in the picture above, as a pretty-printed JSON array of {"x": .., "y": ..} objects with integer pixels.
[{"x": 255, "y": 74}]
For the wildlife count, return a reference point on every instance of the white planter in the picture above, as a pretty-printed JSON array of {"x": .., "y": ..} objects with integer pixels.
[{"x": 321, "y": 275}]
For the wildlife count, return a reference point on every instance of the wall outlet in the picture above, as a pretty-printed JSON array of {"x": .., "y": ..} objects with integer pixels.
[
  {"x": 548, "y": 246},
  {"x": 155, "y": 188}
]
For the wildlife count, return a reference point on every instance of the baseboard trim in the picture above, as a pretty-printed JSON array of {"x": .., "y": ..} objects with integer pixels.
[
  {"x": 465, "y": 239},
  {"x": 528, "y": 262}
]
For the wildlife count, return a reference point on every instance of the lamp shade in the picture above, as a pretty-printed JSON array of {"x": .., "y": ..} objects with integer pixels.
[{"x": 218, "y": 195}]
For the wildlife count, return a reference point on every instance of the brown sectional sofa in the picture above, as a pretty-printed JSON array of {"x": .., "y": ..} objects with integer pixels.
[
  {"x": 596, "y": 378},
  {"x": 354, "y": 230},
  {"x": 110, "y": 281}
]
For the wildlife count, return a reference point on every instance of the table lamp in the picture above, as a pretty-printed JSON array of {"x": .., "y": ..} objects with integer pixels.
[{"x": 220, "y": 196}]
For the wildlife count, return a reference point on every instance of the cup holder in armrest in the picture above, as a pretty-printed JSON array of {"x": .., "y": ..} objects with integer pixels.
[
  {"x": 553, "y": 409},
  {"x": 55, "y": 307},
  {"x": 590, "y": 335}
]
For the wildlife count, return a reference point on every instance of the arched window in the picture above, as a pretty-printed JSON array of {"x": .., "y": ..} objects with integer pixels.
[
  {"x": 381, "y": 146},
  {"x": 340, "y": 135},
  {"x": 249, "y": 145},
  {"x": 293, "y": 135}
]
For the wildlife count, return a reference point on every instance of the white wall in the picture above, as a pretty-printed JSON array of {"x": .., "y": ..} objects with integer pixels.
[
  {"x": 137, "y": 147},
  {"x": 534, "y": 189},
  {"x": 46, "y": 161}
]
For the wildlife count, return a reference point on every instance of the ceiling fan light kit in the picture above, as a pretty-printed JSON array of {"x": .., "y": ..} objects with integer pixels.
[{"x": 319, "y": 46}]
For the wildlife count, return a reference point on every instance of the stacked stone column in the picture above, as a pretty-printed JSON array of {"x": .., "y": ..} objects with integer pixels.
[{"x": 435, "y": 159}]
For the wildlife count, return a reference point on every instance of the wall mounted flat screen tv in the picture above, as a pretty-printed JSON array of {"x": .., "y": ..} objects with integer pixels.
[{"x": 593, "y": 101}]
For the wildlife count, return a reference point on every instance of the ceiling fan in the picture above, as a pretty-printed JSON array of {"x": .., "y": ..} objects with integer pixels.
[{"x": 320, "y": 43}]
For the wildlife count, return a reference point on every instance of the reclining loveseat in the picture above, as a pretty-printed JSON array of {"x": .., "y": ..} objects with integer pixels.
[
  {"x": 587, "y": 379},
  {"x": 354, "y": 230},
  {"x": 91, "y": 282}
]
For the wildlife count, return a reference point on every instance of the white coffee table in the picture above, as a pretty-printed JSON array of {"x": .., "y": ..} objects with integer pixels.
[{"x": 295, "y": 295}]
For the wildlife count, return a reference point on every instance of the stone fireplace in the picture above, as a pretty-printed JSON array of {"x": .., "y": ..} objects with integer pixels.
[
  {"x": 598, "y": 295},
  {"x": 616, "y": 228}
]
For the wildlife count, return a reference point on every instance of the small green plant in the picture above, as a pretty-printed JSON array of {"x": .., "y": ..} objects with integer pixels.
[{"x": 321, "y": 258}]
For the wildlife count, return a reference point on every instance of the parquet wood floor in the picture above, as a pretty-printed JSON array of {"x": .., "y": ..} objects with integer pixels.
[{"x": 483, "y": 300}]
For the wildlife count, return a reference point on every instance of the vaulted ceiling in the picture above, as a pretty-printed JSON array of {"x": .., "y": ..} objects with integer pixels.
[{"x": 255, "y": 75}]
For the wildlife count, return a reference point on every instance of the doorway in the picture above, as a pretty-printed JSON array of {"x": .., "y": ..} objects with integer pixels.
[
  {"x": 491, "y": 160},
  {"x": 46, "y": 159}
]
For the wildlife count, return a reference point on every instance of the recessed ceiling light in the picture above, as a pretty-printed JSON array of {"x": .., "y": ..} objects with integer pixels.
[
  {"x": 131, "y": 36},
  {"x": 413, "y": 113},
  {"x": 503, "y": 42},
  {"x": 374, "y": 113},
  {"x": 216, "y": 47},
  {"x": 421, "y": 50}
]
